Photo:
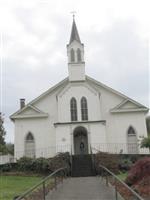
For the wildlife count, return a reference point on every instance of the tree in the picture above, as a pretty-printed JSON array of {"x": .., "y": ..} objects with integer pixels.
[
  {"x": 2, "y": 130},
  {"x": 148, "y": 125},
  {"x": 2, "y": 135},
  {"x": 10, "y": 148},
  {"x": 145, "y": 143}
]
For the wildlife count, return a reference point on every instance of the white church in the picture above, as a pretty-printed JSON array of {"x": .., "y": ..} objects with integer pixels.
[{"x": 78, "y": 114}]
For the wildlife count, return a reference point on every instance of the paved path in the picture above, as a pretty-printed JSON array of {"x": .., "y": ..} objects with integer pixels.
[{"x": 83, "y": 188}]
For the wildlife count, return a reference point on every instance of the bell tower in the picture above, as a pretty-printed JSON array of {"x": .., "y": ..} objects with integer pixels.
[{"x": 75, "y": 53}]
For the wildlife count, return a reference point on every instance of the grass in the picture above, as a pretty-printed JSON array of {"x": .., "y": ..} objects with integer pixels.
[
  {"x": 122, "y": 176},
  {"x": 11, "y": 186}
]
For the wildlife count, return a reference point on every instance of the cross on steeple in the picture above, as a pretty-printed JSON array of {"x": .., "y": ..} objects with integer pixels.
[{"x": 73, "y": 14}]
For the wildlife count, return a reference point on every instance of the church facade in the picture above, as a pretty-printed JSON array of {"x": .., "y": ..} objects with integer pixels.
[{"x": 78, "y": 115}]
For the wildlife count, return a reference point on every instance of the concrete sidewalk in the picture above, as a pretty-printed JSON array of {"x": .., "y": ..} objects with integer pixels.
[{"x": 83, "y": 188}]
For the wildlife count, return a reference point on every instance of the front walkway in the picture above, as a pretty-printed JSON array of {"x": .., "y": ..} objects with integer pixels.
[{"x": 83, "y": 188}]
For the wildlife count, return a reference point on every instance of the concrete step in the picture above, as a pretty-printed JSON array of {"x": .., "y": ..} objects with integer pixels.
[{"x": 82, "y": 166}]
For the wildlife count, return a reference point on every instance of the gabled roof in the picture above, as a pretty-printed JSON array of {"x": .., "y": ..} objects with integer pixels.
[
  {"x": 74, "y": 33},
  {"x": 139, "y": 107},
  {"x": 32, "y": 108},
  {"x": 63, "y": 83},
  {"x": 29, "y": 111},
  {"x": 128, "y": 105},
  {"x": 30, "y": 104}
]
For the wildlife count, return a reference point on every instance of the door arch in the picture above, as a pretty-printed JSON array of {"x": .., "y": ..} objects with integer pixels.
[{"x": 80, "y": 140}]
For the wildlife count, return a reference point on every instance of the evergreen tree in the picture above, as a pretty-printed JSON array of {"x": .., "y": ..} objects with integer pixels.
[
  {"x": 145, "y": 143},
  {"x": 2, "y": 130},
  {"x": 148, "y": 125}
]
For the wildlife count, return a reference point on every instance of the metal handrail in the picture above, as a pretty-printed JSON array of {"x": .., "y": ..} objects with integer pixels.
[
  {"x": 71, "y": 159},
  {"x": 123, "y": 183},
  {"x": 116, "y": 178},
  {"x": 42, "y": 183},
  {"x": 93, "y": 162}
]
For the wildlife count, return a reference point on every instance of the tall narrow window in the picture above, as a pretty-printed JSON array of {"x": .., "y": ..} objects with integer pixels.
[
  {"x": 84, "y": 109},
  {"x": 29, "y": 145},
  {"x": 72, "y": 56},
  {"x": 73, "y": 109},
  {"x": 132, "y": 141},
  {"x": 79, "y": 55}
]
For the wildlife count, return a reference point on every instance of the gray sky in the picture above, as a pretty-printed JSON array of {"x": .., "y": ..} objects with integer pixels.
[{"x": 34, "y": 34}]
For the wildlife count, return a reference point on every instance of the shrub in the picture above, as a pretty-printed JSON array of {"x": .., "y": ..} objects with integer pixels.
[
  {"x": 138, "y": 171},
  {"x": 125, "y": 165},
  {"x": 5, "y": 167},
  {"x": 145, "y": 143},
  {"x": 26, "y": 164},
  {"x": 110, "y": 161},
  {"x": 41, "y": 165},
  {"x": 8, "y": 167},
  {"x": 62, "y": 160},
  {"x": 44, "y": 165},
  {"x": 143, "y": 187}
]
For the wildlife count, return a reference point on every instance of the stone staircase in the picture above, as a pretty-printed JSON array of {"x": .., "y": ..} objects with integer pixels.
[{"x": 82, "y": 166}]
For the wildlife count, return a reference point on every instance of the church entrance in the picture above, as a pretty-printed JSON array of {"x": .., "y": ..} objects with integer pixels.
[{"x": 80, "y": 140}]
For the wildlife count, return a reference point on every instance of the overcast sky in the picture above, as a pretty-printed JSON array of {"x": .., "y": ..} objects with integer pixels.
[{"x": 34, "y": 34}]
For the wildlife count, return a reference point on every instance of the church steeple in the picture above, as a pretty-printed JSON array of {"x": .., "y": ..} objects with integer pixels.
[
  {"x": 75, "y": 52},
  {"x": 74, "y": 33}
]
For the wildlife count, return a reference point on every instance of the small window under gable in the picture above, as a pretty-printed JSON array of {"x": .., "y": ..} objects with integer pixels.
[
  {"x": 73, "y": 109},
  {"x": 84, "y": 109},
  {"x": 79, "y": 55},
  {"x": 72, "y": 55},
  {"x": 29, "y": 145}
]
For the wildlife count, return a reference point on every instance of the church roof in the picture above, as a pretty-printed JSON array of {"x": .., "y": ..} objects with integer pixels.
[
  {"x": 122, "y": 107},
  {"x": 74, "y": 33}
]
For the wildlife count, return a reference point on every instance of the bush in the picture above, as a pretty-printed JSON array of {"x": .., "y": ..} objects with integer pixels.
[
  {"x": 139, "y": 177},
  {"x": 8, "y": 167},
  {"x": 41, "y": 165},
  {"x": 125, "y": 165},
  {"x": 62, "y": 160},
  {"x": 5, "y": 167},
  {"x": 44, "y": 165},
  {"x": 110, "y": 161},
  {"x": 145, "y": 143},
  {"x": 138, "y": 171},
  {"x": 26, "y": 164}
]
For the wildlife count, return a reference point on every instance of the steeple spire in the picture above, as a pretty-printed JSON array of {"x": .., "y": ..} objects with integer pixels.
[
  {"x": 74, "y": 32},
  {"x": 75, "y": 52}
]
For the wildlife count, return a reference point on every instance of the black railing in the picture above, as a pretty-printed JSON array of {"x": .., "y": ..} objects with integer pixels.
[
  {"x": 71, "y": 160},
  {"x": 40, "y": 190},
  {"x": 93, "y": 159},
  {"x": 119, "y": 185}
]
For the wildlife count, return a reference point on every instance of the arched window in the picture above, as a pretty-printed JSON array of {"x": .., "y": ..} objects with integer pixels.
[
  {"x": 29, "y": 145},
  {"x": 73, "y": 109},
  {"x": 132, "y": 141},
  {"x": 84, "y": 109},
  {"x": 72, "y": 56},
  {"x": 79, "y": 55}
]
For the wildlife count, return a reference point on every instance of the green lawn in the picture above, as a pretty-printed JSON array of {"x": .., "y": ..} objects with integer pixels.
[
  {"x": 11, "y": 186},
  {"x": 122, "y": 176}
]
